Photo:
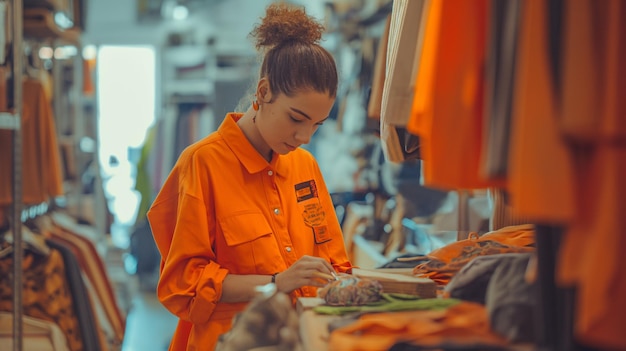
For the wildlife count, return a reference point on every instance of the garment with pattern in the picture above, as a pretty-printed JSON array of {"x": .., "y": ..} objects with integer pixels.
[{"x": 46, "y": 294}]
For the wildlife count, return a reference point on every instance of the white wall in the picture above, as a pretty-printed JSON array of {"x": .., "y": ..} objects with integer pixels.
[{"x": 114, "y": 22}]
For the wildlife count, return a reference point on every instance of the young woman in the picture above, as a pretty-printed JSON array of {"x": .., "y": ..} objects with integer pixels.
[{"x": 247, "y": 206}]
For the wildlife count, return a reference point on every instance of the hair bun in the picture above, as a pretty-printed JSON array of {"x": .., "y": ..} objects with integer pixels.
[{"x": 286, "y": 23}]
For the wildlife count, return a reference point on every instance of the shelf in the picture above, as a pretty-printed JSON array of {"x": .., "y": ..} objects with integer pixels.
[
  {"x": 188, "y": 87},
  {"x": 189, "y": 99},
  {"x": 39, "y": 23}
]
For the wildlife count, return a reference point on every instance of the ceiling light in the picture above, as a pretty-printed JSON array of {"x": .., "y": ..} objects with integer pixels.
[
  {"x": 62, "y": 20},
  {"x": 180, "y": 12}
]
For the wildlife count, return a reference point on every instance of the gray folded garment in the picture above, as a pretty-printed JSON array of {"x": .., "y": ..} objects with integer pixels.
[
  {"x": 470, "y": 283},
  {"x": 498, "y": 281},
  {"x": 511, "y": 301}
]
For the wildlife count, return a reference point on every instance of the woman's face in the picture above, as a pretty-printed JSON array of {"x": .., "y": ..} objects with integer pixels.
[{"x": 288, "y": 122}]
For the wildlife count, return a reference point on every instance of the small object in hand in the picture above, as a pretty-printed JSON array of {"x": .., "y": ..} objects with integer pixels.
[
  {"x": 325, "y": 275},
  {"x": 351, "y": 291}
]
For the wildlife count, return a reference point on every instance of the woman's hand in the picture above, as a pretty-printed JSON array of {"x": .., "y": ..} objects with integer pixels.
[{"x": 305, "y": 272}]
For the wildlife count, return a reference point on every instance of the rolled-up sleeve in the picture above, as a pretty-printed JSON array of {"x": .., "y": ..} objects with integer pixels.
[{"x": 190, "y": 283}]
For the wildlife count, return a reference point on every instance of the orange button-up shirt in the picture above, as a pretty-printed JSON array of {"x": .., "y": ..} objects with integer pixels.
[{"x": 225, "y": 209}]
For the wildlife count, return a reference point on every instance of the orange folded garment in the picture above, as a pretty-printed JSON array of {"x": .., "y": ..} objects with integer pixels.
[
  {"x": 464, "y": 323},
  {"x": 445, "y": 262}
]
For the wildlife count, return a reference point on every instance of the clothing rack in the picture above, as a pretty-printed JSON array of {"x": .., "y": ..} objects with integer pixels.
[
  {"x": 22, "y": 27},
  {"x": 556, "y": 310},
  {"x": 12, "y": 120}
]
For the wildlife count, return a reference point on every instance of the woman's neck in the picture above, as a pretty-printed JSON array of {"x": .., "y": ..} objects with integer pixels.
[{"x": 249, "y": 128}]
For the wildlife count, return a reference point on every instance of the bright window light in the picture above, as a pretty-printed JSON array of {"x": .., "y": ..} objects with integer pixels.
[
  {"x": 62, "y": 20},
  {"x": 46, "y": 52},
  {"x": 126, "y": 109},
  {"x": 180, "y": 12},
  {"x": 65, "y": 52},
  {"x": 89, "y": 52}
]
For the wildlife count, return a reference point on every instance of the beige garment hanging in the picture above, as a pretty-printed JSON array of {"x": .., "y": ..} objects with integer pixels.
[
  {"x": 38, "y": 334},
  {"x": 404, "y": 43},
  {"x": 6, "y": 27},
  {"x": 378, "y": 80},
  {"x": 403, "y": 53}
]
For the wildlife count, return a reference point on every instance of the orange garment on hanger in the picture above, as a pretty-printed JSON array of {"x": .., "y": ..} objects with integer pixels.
[
  {"x": 592, "y": 249},
  {"x": 540, "y": 171},
  {"x": 225, "y": 209},
  {"x": 594, "y": 121},
  {"x": 89, "y": 66},
  {"x": 41, "y": 161},
  {"x": 593, "y": 52},
  {"x": 447, "y": 110}
]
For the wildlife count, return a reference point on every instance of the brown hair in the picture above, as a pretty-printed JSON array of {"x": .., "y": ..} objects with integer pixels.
[{"x": 293, "y": 60}]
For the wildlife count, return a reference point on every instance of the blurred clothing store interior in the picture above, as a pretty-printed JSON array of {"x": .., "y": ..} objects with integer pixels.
[{"x": 475, "y": 156}]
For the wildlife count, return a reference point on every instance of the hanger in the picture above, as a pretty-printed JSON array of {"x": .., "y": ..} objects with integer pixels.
[
  {"x": 34, "y": 242},
  {"x": 32, "y": 62}
]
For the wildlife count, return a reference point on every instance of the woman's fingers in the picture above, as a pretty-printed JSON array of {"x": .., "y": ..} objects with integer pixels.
[
  {"x": 322, "y": 275},
  {"x": 308, "y": 270},
  {"x": 319, "y": 264}
]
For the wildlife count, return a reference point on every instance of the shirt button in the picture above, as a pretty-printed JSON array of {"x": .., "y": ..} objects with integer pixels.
[
  {"x": 288, "y": 249},
  {"x": 276, "y": 211},
  {"x": 270, "y": 173}
]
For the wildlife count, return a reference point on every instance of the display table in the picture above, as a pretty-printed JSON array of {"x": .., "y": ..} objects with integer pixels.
[
  {"x": 314, "y": 330},
  {"x": 314, "y": 327}
]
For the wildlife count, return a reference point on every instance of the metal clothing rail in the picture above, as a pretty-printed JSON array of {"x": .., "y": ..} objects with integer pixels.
[{"x": 13, "y": 121}]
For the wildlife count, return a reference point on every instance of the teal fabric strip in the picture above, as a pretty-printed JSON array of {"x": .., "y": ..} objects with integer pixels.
[{"x": 390, "y": 303}]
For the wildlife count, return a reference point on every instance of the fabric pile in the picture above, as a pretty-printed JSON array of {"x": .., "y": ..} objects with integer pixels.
[{"x": 351, "y": 291}]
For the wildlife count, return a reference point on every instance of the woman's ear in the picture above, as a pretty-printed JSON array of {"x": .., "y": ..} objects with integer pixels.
[{"x": 263, "y": 91}]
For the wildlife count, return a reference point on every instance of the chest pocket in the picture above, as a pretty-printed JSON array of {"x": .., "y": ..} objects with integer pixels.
[{"x": 251, "y": 246}]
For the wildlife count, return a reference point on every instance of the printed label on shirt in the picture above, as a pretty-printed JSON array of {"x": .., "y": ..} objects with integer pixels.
[
  {"x": 313, "y": 214},
  {"x": 306, "y": 190},
  {"x": 321, "y": 234}
]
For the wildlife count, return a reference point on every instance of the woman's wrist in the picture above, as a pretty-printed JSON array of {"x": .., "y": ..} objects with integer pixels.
[{"x": 274, "y": 277}]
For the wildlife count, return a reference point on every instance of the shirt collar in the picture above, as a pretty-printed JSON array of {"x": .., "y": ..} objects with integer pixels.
[{"x": 249, "y": 157}]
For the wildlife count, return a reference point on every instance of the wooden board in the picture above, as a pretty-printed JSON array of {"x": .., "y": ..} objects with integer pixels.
[
  {"x": 307, "y": 303},
  {"x": 403, "y": 271},
  {"x": 399, "y": 282}
]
